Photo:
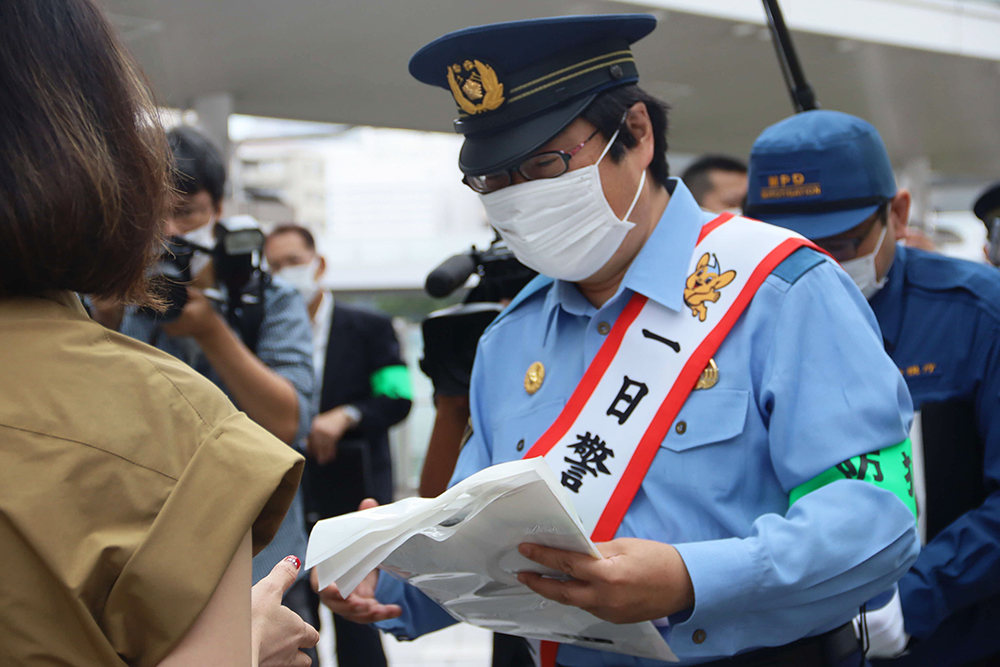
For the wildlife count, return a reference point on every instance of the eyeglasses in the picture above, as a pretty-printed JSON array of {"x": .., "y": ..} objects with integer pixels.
[
  {"x": 549, "y": 164},
  {"x": 844, "y": 249}
]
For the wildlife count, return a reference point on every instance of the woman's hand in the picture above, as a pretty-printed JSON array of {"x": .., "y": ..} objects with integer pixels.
[{"x": 278, "y": 633}]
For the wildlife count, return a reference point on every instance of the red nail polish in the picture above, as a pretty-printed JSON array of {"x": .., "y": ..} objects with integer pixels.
[{"x": 294, "y": 561}]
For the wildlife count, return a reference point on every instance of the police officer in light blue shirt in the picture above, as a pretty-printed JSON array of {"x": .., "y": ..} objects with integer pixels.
[
  {"x": 940, "y": 323},
  {"x": 731, "y": 545}
]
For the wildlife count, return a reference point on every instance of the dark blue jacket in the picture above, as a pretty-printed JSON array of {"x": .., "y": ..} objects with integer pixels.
[
  {"x": 940, "y": 319},
  {"x": 360, "y": 343}
]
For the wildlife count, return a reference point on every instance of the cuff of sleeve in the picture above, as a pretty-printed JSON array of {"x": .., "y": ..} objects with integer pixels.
[
  {"x": 420, "y": 615},
  {"x": 389, "y": 590},
  {"x": 924, "y": 606},
  {"x": 239, "y": 478},
  {"x": 724, "y": 574}
]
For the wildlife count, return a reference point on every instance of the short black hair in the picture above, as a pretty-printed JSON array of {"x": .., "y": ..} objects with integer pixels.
[
  {"x": 606, "y": 113},
  {"x": 198, "y": 163},
  {"x": 292, "y": 228},
  {"x": 696, "y": 178}
]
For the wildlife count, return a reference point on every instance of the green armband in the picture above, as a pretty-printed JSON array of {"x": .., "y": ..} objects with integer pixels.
[
  {"x": 392, "y": 382},
  {"x": 889, "y": 468}
]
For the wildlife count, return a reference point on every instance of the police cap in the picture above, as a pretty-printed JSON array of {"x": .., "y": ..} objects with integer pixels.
[
  {"x": 818, "y": 173},
  {"x": 519, "y": 84}
]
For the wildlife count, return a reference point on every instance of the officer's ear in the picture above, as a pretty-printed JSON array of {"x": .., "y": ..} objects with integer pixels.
[
  {"x": 321, "y": 266},
  {"x": 899, "y": 213},
  {"x": 637, "y": 122}
]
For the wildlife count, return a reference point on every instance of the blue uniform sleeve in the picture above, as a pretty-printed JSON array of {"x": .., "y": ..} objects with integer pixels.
[
  {"x": 961, "y": 565},
  {"x": 421, "y": 614},
  {"x": 285, "y": 346},
  {"x": 829, "y": 392}
]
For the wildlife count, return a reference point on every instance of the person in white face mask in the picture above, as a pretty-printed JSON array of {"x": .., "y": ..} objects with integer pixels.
[
  {"x": 362, "y": 389},
  {"x": 270, "y": 379},
  {"x": 835, "y": 187},
  {"x": 657, "y": 366},
  {"x": 827, "y": 175}
]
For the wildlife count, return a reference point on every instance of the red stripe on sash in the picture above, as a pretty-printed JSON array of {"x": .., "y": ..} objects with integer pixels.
[
  {"x": 637, "y": 468},
  {"x": 646, "y": 451},
  {"x": 594, "y": 373},
  {"x": 547, "y": 652},
  {"x": 591, "y": 378},
  {"x": 709, "y": 227}
]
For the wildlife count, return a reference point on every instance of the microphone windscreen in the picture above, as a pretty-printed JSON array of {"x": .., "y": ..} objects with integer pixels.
[{"x": 450, "y": 275}]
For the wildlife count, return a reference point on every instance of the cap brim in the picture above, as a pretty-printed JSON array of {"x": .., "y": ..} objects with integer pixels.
[
  {"x": 490, "y": 153},
  {"x": 820, "y": 225},
  {"x": 987, "y": 202}
]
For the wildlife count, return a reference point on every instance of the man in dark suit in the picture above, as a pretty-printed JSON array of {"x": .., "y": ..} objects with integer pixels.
[{"x": 364, "y": 389}]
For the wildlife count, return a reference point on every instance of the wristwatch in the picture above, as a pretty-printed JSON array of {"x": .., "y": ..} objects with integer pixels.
[{"x": 352, "y": 413}]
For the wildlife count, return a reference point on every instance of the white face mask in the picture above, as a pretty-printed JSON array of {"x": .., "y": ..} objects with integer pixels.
[
  {"x": 204, "y": 236},
  {"x": 862, "y": 270},
  {"x": 303, "y": 278},
  {"x": 561, "y": 227}
]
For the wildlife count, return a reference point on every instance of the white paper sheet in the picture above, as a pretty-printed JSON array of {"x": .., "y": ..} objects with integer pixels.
[{"x": 460, "y": 549}]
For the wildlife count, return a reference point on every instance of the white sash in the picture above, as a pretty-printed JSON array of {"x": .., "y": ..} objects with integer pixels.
[{"x": 603, "y": 443}]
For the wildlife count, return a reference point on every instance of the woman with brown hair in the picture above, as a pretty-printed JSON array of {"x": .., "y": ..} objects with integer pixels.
[{"x": 132, "y": 493}]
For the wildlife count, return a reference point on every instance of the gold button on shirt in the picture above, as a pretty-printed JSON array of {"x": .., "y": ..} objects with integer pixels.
[{"x": 127, "y": 481}]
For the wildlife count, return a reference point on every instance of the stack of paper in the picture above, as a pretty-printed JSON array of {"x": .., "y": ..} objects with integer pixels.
[{"x": 460, "y": 549}]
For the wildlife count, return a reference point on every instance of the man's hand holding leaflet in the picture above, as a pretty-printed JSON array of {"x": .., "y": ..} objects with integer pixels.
[{"x": 461, "y": 550}]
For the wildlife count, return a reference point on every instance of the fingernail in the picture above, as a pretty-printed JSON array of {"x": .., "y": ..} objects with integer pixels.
[
  {"x": 524, "y": 549},
  {"x": 296, "y": 563}
]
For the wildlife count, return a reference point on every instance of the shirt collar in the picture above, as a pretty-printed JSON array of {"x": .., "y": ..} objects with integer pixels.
[
  {"x": 887, "y": 303},
  {"x": 660, "y": 269},
  {"x": 324, "y": 315},
  {"x": 68, "y": 299}
]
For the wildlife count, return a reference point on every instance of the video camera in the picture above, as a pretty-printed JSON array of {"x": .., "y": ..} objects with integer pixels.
[
  {"x": 451, "y": 335},
  {"x": 236, "y": 263},
  {"x": 501, "y": 276}
]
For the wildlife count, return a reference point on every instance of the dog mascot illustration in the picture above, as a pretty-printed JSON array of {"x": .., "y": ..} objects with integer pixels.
[{"x": 703, "y": 285}]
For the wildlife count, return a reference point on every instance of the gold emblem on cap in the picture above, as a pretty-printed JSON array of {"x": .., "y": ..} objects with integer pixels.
[
  {"x": 709, "y": 376},
  {"x": 475, "y": 87},
  {"x": 534, "y": 378}
]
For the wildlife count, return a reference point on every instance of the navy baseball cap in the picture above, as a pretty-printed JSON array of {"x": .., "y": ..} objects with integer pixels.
[
  {"x": 987, "y": 207},
  {"x": 519, "y": 84},
  {"x": 818, "y": 173}
]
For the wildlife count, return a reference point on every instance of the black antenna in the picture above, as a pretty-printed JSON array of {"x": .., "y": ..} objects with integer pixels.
[{"x": 803, "y": 97}]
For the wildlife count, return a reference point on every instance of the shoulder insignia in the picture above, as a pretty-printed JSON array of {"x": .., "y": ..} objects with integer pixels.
[
  {"x": 537, "y": 284},
  {"x": 797, "y": 265},
  {"x": 938, "y": 273}
]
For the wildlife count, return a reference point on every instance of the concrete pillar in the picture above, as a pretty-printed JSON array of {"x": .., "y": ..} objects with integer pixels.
[{"x": 213, "y": 111}]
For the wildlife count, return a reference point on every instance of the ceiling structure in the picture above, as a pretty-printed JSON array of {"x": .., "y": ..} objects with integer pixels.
[{"x": 344, "y": 61}]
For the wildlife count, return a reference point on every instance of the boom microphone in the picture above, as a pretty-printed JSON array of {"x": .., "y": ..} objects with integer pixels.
[
  {"x": 803, "y": 97},
  {"x": 450, "y": 275}
]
